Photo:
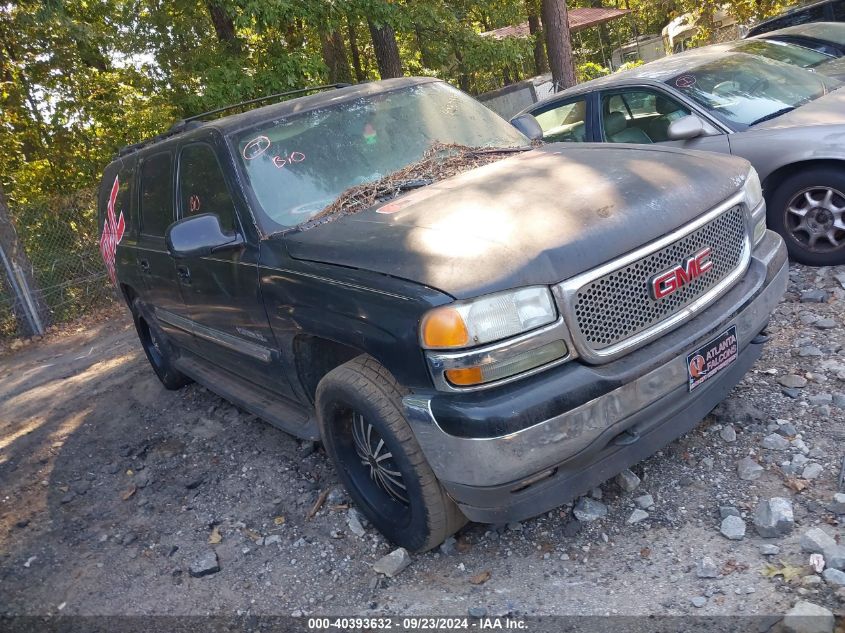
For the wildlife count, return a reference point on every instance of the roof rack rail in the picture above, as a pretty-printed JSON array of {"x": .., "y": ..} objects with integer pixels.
[{"x": 196, "y": 120}]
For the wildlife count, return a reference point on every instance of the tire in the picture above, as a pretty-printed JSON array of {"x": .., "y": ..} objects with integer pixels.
[
  {"x": 359, "y": 405},
  {"x": 158, "y": 349},
  {"x": 817, "y": 237}
]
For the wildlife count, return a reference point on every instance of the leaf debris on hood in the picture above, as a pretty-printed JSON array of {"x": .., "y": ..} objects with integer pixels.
[{"x": 440, "y": 161}]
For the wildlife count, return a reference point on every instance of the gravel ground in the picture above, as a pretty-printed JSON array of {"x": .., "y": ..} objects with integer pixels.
[{"x": 115, "y": 490}]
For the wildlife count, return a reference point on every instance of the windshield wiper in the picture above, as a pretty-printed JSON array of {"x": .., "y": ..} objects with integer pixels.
[
  {"x": 407, "y": 185},
  {"x": 771, "y": 116},
  {"x": 503, "y": 150}
]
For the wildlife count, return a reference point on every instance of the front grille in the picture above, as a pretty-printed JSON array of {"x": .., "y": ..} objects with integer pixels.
[{"x": 617, "y": 306}]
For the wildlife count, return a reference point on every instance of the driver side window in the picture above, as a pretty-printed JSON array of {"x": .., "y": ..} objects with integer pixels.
[
  {"x": 202, "y": 187},
  {"x": 564, "y": 122},
  {"x": 639, "y": 116}
]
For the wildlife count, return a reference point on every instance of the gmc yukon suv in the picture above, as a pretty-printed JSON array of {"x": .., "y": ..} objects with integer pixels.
[{"x": 483, "y": 346}]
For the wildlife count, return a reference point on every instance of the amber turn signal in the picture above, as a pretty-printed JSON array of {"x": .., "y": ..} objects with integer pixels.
[
  {"x": 444, "y": 327},
  {"x": 465, "y": 376}
]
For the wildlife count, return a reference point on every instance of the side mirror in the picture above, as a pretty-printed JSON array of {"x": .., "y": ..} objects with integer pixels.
[
  {"x": 686, "y": 128},
  {"x": 528, "y": 125},
  {"x": 198, "y": 236}
]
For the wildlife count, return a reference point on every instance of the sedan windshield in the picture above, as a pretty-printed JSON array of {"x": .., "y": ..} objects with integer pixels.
[
  {"x": 783, "y": 52},
  {"x": 744, "y": 89},
  {"x": 299, "y": 165}
]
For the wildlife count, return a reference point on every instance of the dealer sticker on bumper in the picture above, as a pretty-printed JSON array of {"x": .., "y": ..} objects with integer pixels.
[{"x": 711, "y": 358}]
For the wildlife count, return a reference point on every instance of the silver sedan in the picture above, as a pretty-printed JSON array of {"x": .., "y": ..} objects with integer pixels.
[{"x": 789, "y": 122}]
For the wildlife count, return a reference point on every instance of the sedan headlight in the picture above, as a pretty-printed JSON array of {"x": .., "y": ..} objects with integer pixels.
[{"x": 487, "y": 319}]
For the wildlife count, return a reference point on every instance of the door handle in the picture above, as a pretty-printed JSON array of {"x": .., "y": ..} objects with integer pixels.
[
  {"x": 144, "y": 265},
  {"x": 184, "y": 274}
]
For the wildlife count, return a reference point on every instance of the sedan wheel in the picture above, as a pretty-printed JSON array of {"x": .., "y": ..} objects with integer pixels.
[{"x": 814, "y": 217}]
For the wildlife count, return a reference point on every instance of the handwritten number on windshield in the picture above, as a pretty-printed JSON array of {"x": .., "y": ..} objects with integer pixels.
[{"x": 293, "y": 157}]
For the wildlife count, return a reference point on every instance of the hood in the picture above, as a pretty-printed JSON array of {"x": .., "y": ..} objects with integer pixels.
[
  {"x": 826, "y": 110},
  {"x": 536, "y": 218}
]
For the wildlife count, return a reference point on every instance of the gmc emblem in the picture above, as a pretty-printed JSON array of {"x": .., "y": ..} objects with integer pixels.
[{"x": 672, "y": 280}]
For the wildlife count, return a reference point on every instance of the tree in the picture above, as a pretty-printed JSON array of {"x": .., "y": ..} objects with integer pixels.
[
  {"x": 558, "y": 43},
  {"x": 540, "y": 63},
  {"x": 386, "y": 50},
  {"x": 334, "y": 54}
]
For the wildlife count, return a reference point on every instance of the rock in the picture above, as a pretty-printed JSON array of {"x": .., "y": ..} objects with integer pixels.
[
  {"x": 809, "y": 351},
  {"x": 728, "y": 511},
  {"x": 205, "y": 565},
  {"x": 728, "y": 433},
  {"x": 825, "y": 324},
  {"x": 449, "y": 546},
  {"x": 774, "y": 518},
  {"x": 791, "y": 393},
  {"x": 644, "y": 502},
  {"x": 706, "y": 568},
  {"x": 814, "y": 295},
  {"x": 637, "y": 516},
  {"x": 477, "y": 612},
  {"x": 819, "y": 399},
  {"x": 835, "y": 557},
  {"x": 839, "y": 400},
  {"x": 834, "y": 577},
  {"x": 748, "y": 469},
  {"x": 806, "y": 617},
  {"x": 393, "y": 563},
  {"x": 775, "y": 442},
  {"x": 767, "y": 549},
  {"x": 792, "y": 381},
  {"x": 812, "y": 471},
  {"x": 708, "y": 463},
  {"x": 273, "y": 539},
  {"x": 571, "y": 528},
  {"x": 627, "y": 480},
  {"x": 336, "y": 496},
  {"x": 733, "y": 528},
  {"x": 69, "y": 496},
  {"x": 787, "y": 429},
  {"x": 837, "y": 506},
  {"x": 811, "y": 579},
  {"x": 587, "y": 510},
  {"x": 515, "y": 526},
  {"x": 597, "y": 493},
  {"x": 815, "y": 541},
  {"x": 699, "y": 601},
  {"x": 353, "y": 522}
]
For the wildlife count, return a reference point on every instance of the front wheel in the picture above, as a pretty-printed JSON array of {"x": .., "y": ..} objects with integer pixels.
[
  {"x": 807, "y": 210},
  {"x": 359, "y": 407}
]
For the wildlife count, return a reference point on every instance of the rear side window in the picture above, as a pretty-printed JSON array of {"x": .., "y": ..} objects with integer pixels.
[
  {"x": 564, "y": 122},
  {"x": 156, "y": 194},
  {"x": 202, "y": 187}
]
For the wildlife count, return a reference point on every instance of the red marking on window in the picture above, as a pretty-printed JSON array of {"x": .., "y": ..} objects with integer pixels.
[
  {"x": 194, "y": 203},
  {"x": 685, "y": 81},
  {"x": 113, "y": 230}
]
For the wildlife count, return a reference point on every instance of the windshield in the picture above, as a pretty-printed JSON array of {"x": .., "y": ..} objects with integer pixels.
[
  {"x": 783, "y": 52},
  {"x": 299, "y": 165},
  {"x": 744, "y": 89}
]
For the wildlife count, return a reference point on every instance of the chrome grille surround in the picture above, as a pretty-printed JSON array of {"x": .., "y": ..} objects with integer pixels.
[{"x": 609, "y": 310}]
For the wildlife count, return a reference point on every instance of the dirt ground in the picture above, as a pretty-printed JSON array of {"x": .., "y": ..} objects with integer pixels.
[{"x": 111, "y": 487}]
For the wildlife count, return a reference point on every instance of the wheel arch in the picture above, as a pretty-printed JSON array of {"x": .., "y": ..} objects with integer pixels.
[
  {"x": 777, "y": 176},
  {"x": 316, "y": 356}
]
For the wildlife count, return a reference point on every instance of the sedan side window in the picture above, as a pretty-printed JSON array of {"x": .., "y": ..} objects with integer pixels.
[
  {"x": 202, "y": 188},
  {"x": 564, "y": 122},
  {"x": 639, "y": 116}
]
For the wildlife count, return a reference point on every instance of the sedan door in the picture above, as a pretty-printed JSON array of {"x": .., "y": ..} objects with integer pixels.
[{"x": 644, "y": 114}]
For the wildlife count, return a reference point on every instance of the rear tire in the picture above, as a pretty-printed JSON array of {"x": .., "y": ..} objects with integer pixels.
[
  {"x": 808, "y": 210},
  {"x": 378, "y": 459},
  {"x": 158, "y": 349}
]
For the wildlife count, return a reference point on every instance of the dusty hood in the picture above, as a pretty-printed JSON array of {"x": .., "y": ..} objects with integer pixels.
[
  {"x": 834, "y": 68},
  {"x": 537, "y": 218},
  {"x": 827, "y": 110}
]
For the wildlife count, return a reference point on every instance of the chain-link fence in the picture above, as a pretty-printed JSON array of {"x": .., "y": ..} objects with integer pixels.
[{"x": 60, "y": 275}]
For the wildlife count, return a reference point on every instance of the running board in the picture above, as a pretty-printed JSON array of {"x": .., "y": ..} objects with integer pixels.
[{"x": 277, "y": 410}]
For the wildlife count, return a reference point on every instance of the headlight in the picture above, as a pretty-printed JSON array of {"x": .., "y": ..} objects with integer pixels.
[
  {"x": 754, "y": 198},
  {"x": 487, "y": 319},
  {"x": 753, "y": 189}
]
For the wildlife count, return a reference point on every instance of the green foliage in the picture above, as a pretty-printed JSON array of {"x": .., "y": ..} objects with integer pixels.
[
  {"x": 629, "y": 65},
  {"x": 591, "y": 70}
]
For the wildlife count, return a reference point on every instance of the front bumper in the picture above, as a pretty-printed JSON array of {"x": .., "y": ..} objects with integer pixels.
[{"x": 643, "y": 405}]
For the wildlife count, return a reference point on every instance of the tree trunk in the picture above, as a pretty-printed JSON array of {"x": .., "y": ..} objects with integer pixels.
[
  {"x": 16, "y": 271},
  {"x": 334, "y": 54},
  {"x": 386, "y": 49},
  {"x": 540, "y": 64},
  {"x": 353, "y": 46},
  {"x": 558, "y": 43},
  {"x": 224, "y": 26}
]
